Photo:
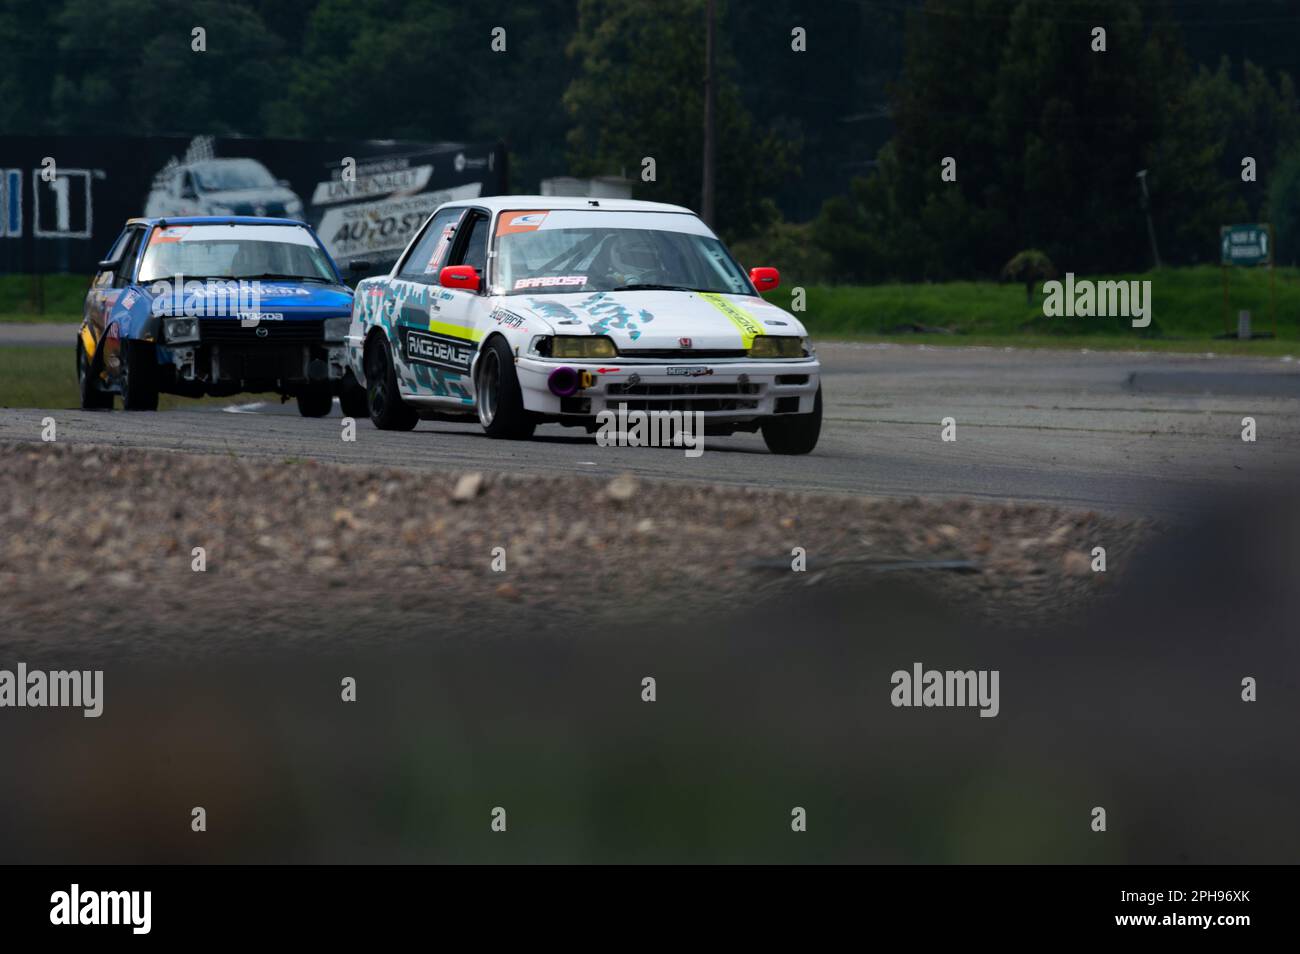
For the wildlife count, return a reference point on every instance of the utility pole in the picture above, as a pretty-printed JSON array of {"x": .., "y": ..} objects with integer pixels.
[
  {"x": 1146, "y": 207},
  {"x": 706, "y": 199}
]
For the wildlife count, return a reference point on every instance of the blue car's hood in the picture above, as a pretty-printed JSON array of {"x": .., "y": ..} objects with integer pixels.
[{"x": 288, "y": 300}]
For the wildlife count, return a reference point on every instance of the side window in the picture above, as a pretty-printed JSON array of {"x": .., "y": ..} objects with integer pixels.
[
  {"x": 475, "y": 247},
  {"x": 430, "y": 252},
  {"x": 122, "y": 277},
  {"x": 105, "y": 277}
]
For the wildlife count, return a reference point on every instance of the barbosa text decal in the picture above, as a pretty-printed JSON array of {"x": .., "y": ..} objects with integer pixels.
[{"x": 37, "y": 689}]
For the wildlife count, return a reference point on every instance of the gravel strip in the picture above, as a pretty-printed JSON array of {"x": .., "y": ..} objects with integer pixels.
[{"x": 96, "y": 553}]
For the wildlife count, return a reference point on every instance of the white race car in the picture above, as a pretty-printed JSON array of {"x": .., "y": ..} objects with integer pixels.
[{"x": 520, "y": 310}]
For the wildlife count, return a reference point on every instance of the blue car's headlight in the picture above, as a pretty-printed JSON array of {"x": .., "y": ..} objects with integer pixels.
[
  {"x": 336, "y": 329},
  {"x": 180, "y": 330}
]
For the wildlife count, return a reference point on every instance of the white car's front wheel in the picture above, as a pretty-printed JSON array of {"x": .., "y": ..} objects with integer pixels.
[
  {"x": 794, "y": 433},
  {"x": 497, "y": 395}
]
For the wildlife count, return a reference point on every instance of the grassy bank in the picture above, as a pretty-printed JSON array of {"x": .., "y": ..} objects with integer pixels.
[
  {"x": 26, "y": 298},
  {"x": 44, "y": 376},
  {"x": 1187, "y": 312}
]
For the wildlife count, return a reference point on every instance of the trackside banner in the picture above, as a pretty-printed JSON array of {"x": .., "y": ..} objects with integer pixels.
[{"x": 63, "y": 199}]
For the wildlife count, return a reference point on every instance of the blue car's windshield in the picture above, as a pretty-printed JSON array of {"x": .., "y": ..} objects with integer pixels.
[{"x": 241, "y": 251}]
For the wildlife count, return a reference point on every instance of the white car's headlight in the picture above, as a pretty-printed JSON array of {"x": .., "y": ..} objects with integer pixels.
[
  {"x": 178, "y": 330},
  {"x": 336, "y": 329},
  {"x": 776, "y": 346},
  {"x": 573, "y": 347}
]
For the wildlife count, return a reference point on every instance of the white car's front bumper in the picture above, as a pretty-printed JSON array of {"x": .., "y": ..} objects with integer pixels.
[{"x": 725, "y": 390}]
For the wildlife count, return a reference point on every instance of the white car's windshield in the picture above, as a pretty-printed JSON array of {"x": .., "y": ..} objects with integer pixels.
[
  {"x": 613, "y": 259},
  {"x": 223, "y": 251}
]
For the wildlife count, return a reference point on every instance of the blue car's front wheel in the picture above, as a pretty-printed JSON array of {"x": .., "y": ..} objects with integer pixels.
[{"x": 139, "y": 376}]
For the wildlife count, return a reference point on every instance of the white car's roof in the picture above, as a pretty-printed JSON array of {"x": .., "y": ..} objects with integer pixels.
[{"x": 495, "y": 203}]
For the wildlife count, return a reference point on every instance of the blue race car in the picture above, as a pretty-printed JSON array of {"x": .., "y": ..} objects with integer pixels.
[{"x": 217, "y": 305}]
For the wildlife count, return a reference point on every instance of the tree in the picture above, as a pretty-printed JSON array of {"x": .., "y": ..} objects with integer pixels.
[
  {"x": 426, "y": 70},
  {"x": 134, "y": 68},
  {"x": 1284, "y": 209},
  {"x": 638, "y": 93},
  {"x": 1048, "y": 135},
  {"x": 1029, "y": 268}
]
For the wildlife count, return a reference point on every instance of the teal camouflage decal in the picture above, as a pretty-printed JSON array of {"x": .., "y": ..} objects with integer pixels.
[
  {"x": 606, "y": 312},
  {"x": 611, "y": 314},
  {"x": 384, "y": 308}
]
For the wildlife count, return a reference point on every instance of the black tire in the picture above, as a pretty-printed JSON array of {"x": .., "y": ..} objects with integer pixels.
[
  {"x": 315, "y": 400},
  {"x": 797, "y": 433},
  {"x": 352, "y": 398},
  {"x": 92, "y": 398},
  {"x": 139, "y": 376},
  {"x": 388, "y": 411},
  {"x": 497, "y": 397}
]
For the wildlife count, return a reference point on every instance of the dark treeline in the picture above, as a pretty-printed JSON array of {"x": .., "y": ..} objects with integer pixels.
[{"x": 845, "y": 138}]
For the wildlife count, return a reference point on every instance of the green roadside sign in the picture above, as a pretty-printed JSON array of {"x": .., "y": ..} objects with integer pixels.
[{"x": 1245, "y": 245}]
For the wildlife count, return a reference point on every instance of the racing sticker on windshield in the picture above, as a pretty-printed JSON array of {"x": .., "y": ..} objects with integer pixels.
[
  {"x": 746, "y": 323},
  {"x": 551, "y": 281},
  {"x": 171, "y": 234},
  {"x": 510, "y": 222},
  {"x": 439, "y": 250}
]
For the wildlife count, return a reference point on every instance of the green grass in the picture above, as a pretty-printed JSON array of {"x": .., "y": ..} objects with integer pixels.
[
  {"x": 29, "y": 298},
  {"x": 1187, "y": 312},
  {"x": 46, "y": 377},
  {"x": 37, "y": 377},
  {"x": 1259, "y": 347}
]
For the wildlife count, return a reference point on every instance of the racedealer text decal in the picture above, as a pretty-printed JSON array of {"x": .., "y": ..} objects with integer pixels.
[{"x": 454, "y": 354}]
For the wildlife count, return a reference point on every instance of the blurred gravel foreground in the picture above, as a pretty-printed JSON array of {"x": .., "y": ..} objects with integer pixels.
[
  {"x": 98, "y": 553},
  {"x": 525, "y": 690}
]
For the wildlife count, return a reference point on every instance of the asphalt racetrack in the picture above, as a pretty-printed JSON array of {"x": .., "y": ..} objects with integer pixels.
[{"x": 1121, "y": 432}]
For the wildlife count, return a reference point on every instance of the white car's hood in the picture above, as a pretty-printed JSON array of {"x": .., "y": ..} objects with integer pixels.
[{"x": 653, "y": 320}]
